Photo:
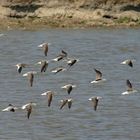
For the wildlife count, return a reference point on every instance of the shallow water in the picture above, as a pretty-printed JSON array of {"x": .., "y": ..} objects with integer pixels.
[{"x": 117, "y": 117}]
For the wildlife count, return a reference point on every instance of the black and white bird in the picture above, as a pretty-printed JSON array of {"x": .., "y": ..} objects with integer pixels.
[
  {"x": 58, "y": 69},
  {"x": 20, "y": 66},
  {"x": 128, "y": 62},
  {"x": 72, "y": 61},
  {"x": 68, "y": 87},
  {"x": 129, "y": 88},
  {"x": 10, "y": 108},
  {"x": 95, "y": 101},
  {"x": 98, "y": 78},
  {"x": 60, "y": 56}
]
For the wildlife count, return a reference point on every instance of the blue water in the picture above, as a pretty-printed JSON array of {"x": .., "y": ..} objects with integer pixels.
[{"x": 117, "y": 116}]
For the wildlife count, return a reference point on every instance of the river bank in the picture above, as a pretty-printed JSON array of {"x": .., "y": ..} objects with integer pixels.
[{"x": 39, "y": 15}]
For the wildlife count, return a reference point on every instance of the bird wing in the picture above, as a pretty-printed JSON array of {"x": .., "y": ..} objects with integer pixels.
[
  {"x": 98, "y": 74},
  {"x": 63, "y": 103},
  {"x": 31, "y": 78},
  {"x": 44, "y": 67},
  {"x": 8, "y": 108},
  {"x": 130, "y": 63},
  {"x": 29, "y": 110},
  {"x": 60, "y": 57},
  {"x": 59, "y": 69},
  {"x": 95, "y": 103},
  {"x": 72, "y": 62},
  {"x": 69, "y": 104},
  {"x": 69, "y": 89},
  {"x": 12, "y": 110},
  {"x": 65, "y": 53},
  {"x": 129, "y": 85},
  {"x": 50, "y": 95},
  {"x": 19, "y": 69},
  {"x": 45, "y": 49},
  {"x": 24, "y": 65}
]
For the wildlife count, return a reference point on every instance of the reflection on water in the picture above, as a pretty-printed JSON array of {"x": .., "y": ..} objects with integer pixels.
[{"x": 117, "y": 116}]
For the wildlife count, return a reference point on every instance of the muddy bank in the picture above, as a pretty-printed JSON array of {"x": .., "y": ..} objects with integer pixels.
[{"x": 68, "y": 14}]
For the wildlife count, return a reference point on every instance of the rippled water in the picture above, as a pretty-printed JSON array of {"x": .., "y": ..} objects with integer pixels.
[{"x": 117, "y": 117}]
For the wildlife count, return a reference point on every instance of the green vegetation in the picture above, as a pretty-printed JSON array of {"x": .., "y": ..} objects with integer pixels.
[{"x": 124, "y": 20}]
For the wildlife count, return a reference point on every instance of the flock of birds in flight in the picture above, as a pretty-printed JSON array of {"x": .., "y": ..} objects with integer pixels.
[{"x": 68, "y": 87}]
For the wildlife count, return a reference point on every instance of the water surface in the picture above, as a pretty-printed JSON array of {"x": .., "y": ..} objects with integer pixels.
[{"x": 117, "y": 117}]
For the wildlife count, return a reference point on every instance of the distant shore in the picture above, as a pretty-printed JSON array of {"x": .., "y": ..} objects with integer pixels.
[{"x": 36, "y": 16}]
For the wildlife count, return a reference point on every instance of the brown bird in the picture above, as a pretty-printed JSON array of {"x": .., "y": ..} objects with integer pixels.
[
  {"x": 30, "y": 76},
  {"x": 68, "y": 87},
  {"x": 98, "y": 75},
  {"x": 98, "y": 78},
  {"x": 95, "y": 101},
  {"x": 20, "y": 66},
  {"x": 49, "y": 95},
  {"x": 28, "y": 108},
  {"x": 29, "y": 111},
  {"x": 44, "y": 65},
  {"x": 45, "y": 48}
]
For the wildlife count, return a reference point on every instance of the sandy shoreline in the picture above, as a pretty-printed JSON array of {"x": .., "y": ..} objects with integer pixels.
[{"x": 22, "y": 16}]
